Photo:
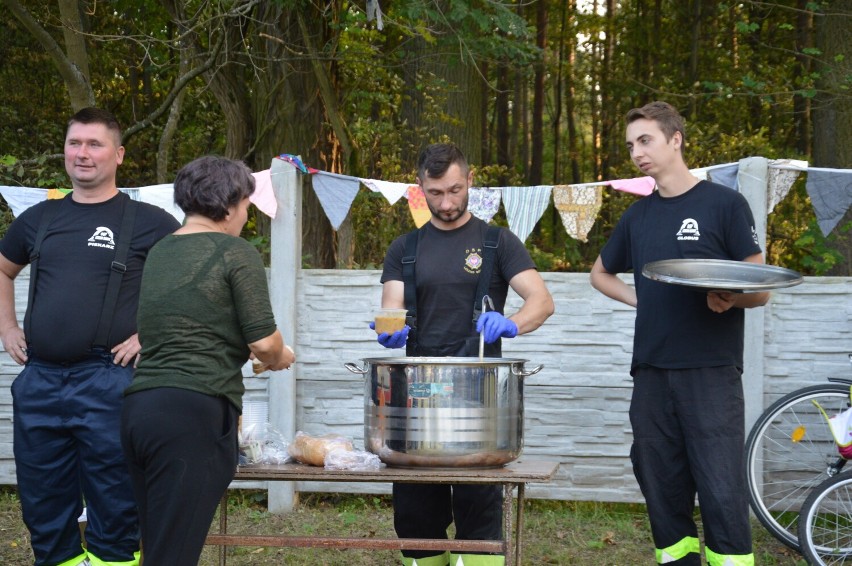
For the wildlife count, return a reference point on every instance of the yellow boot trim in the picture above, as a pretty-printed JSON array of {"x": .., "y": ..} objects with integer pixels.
[
  {"x": 74, "y": 561},
  {"x": 714, "y": 559},
  {"x": 477, "y": 560},
  {"x": 437, "y": 560},
  {"x": 680, "y": 549},
  {"x": 98, "y": 562}
]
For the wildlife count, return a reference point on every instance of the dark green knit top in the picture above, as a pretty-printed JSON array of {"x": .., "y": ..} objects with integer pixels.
[{"x": 204, "y": 297}]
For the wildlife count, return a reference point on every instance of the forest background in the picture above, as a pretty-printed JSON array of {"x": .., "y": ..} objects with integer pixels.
[{"x": 533, "y": 91}]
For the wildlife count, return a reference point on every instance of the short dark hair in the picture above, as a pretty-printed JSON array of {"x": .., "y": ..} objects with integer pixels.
[
  {"x": 435, "y": 159},
  {"x": 97, "y": 116},
  {"x": 666, "y": 116},
  {"x": 209, "y": 185}
]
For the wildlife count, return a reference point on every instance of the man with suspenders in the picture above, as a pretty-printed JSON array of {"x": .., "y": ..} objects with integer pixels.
[
  {"x": 440, "y": 273},
  {"x": 78, "y": 346}
]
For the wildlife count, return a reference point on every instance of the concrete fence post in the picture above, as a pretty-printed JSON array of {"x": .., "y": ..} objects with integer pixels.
[
  {"x": 753, "y": 181},
  {"x": 285, "y": 264}
]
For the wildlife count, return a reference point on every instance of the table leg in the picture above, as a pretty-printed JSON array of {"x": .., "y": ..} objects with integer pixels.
[
  {"x": 507, "y": 525},
  {"x": 223, "y": 526},
  {"x": 519, "y": 524}
]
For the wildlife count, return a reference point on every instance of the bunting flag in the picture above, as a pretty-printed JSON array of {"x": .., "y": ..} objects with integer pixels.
[
  {"x": 390, "y": 190},
  {"x": 524, "y": 206},
  {"x": 829, "y": 190},
  {"x": 726, "y": 176},
  {"x": 21, "y": 198},
  {"x": 781, "y": 180},
  {"x": 297, "y": 163},
  {"x": 699, "y": 173},
  {"x": 643, "y": 186},
  {"x": 417, "y": 205},
  {"x": 335, "y": 193},
  {"x": 57, "y": 193},
  {"x": 263, "y": 196},
  {"x": 160, "y": 195},
  {"x": 483, "y": 202},
  {"x": 831, "y": 195},
  {"x": 578, "y": 206}
]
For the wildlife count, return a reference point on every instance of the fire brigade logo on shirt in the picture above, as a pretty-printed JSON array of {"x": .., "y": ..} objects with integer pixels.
[
  {"x": 473, "y": 261},
  {"x": 688, "y": 230},
  {"x": 102, "y": 238}
]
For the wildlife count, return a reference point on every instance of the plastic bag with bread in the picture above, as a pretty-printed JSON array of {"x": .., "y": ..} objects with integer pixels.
[{"x": 312, "y": 450}]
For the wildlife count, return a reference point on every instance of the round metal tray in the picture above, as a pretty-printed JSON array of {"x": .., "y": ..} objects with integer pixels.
[{"x": 721, "y": 275}]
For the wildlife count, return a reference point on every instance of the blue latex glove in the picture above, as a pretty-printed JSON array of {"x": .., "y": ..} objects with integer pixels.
[
  {"x": 395, "y": 340},
  {"x": 494, "y": 325}
]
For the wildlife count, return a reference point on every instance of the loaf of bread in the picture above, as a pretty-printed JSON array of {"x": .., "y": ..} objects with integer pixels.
[{"x": 312, "y": 450}]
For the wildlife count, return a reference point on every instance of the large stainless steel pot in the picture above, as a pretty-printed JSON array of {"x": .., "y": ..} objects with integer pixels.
[{"x": 444, "y": 412}]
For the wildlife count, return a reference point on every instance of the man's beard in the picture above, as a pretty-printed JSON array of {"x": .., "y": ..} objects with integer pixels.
[{"x": 443, "y": 216}]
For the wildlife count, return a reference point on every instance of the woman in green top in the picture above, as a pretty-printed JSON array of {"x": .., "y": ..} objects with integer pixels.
[{"x": 203, "y": 311}]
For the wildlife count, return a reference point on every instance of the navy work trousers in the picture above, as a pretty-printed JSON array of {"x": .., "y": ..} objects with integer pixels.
[
  {"x": 181, "y": 447},
  {"x": 427, "y": 510},
  {"x": 688, "y": 430},
  {"x": 67, "y": 448}
]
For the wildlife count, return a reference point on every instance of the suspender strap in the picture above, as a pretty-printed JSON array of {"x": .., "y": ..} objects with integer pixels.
[
  {"x": 408, "y": 261},
  {"x": 117, "y": 269},
  {"x": 51, "y": 207},
  {"x": 410, "y": 290},
  {"x": 489, "y": 255}
]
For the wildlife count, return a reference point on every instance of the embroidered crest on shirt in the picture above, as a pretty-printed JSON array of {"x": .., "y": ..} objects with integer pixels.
[
  {"x": 102, "y": 238},
  {"x": 473, "y": 261},
  {"x": 688, "y": 230}
]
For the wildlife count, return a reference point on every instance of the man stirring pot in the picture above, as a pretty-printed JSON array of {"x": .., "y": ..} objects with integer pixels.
[{"x": 435, "y": 273}]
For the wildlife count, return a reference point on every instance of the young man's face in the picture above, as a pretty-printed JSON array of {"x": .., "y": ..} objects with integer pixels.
[
  {"x": 92, "y": 155},
  {"x": 649, "y": 149},
  {"x": 447, "y": 196}
]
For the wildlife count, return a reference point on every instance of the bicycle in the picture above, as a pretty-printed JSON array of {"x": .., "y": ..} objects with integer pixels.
[
  {"x": 789, "y": 451},
  {"x": 825, "y": 522}
]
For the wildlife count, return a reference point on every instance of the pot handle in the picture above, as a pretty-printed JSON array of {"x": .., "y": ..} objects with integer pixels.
[
  {"x": 522, "y": 373},
  {"x": 354, "y": 369}
]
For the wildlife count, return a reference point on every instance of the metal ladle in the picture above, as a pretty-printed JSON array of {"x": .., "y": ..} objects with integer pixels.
[{"x": 485, "y": 300}]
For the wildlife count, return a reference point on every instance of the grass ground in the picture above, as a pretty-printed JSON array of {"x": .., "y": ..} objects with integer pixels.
[{"x": 555, "y": 532}]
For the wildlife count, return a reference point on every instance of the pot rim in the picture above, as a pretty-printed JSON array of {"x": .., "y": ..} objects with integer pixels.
[{"x": 444, "y": 360}]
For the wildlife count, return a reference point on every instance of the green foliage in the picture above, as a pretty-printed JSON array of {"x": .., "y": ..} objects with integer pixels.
[{"x": 746, "y": 83}]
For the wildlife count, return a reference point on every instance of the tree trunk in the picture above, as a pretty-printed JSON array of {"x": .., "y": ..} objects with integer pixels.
[
  {"x": 802, "y": 104},
  {"x": 501, "y": 112},
  {"x": 164, "y": 148},
  {"x": 464, "y": 92},
  {"x": 80, "y": 93},
  {"x": 833, "y": 111},
  {"x": 537, "y": 138}
]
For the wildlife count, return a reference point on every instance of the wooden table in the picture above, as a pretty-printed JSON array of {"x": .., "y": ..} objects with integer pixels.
[{"x": 514, "y": 475}]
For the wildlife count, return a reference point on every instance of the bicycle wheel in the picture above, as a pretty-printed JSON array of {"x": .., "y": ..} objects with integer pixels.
[
  {"x": 790, "y": 450},
  {"x": 825, "y": 523}
]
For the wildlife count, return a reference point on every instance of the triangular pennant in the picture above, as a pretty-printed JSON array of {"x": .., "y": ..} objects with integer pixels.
[
  {"x": 524, "y": 206},
  {"x": 483, "y": 202},
  {"x": 158, "y": 195},
  {"x": 642, "y": 186},
  {"x": 831, "y": 195},
  {"x": 390, "y": 190},
  {"x": 21, "y": 198},
  {"x": 726, "y": 176},
  {"x": 263, "y": 196},
  {"x": 781, "y": 180},
  {"x": 417, "y": 205},
  {"x": 578, "y": 206},
  {"x": 335, "y": 193}
]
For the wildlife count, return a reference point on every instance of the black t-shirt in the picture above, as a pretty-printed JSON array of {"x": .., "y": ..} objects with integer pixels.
[
  {"x": 447, "y": 273},
  {"x": 674, "y": 327},
  {"x": 74, "y": 267}
]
